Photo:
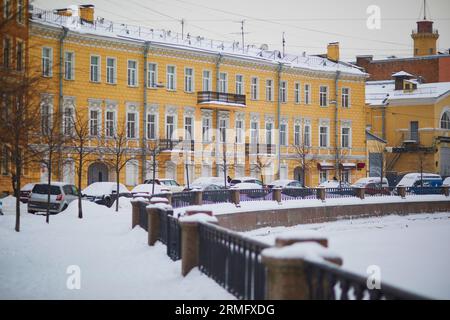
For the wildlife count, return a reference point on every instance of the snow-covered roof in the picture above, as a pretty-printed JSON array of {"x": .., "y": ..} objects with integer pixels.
[
  {"x": 383, "y": 92},
  {"x": 402, "y": 74},
  {"x": 105, "y": 28}
]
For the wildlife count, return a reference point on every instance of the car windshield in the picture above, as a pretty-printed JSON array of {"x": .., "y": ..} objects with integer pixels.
[{"x": 43, "y": 189}]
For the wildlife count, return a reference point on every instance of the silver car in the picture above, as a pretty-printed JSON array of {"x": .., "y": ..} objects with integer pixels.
[{"x": 61, "y": 194}]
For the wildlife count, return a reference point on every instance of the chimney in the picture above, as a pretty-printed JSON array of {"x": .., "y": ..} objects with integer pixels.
[
  {"x": 87, "y": 13},
  {"x": 363, "y": 61},
  {"x": 333, "y": 51},
  {"x": 400, "y": 78}
]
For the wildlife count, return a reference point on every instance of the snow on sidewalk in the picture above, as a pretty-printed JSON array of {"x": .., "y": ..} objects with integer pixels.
[
  {"x": 115, "y": 261},
  {"x": 412, "y": 251}
]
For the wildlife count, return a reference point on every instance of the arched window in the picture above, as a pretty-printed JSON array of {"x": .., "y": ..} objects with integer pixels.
[{"x": 445, "y": 120}]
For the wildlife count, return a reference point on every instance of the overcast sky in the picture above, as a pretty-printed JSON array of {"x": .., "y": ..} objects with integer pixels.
[{"x": 308, "y": 25}]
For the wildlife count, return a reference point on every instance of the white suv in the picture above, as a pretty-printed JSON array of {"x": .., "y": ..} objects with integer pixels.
[{"x": 61, "y": 194}]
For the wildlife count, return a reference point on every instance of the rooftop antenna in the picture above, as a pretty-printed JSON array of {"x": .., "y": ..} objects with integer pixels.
[
  {"x": 182, "y": 29},
  {"x": 424, "y": 9},
  {"x": 284, "y": 45},
  {"x": 242, "y": 33}
]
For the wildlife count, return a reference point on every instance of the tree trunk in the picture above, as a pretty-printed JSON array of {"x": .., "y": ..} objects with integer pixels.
[
  {"x": 49, "y": 179},
  {"x": 154, "y": 173},
  {"x": 80, "y": 207},
  {"x": 17, "y": 194},
  {"x": 117, "y": 189}
]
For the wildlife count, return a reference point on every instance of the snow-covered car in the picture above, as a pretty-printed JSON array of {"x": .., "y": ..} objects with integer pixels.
[
  {"x": 105, "y": 193},
  {"x": 246, "y": 186},
  {"x": 334, "y": 184},
  {"x": 446, "y": 182},
  {"x": 285, "y": 183},
  {"x": 146, "y": 189},
  {"x": 1, "y": 207},
  {"x": 425, "y": 183},
  {"x": 25, "y": 192},
  {"x": 372, "y": 185},
  {"x": 170, "y": 184},
  {"x": 205, "y": 182},
  {"x": 245, "y": 180},
  {"x": 205, "y": 187},
  {"x": 61, "y": 194}
]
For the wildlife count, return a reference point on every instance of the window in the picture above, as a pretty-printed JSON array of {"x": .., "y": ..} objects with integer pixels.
[
  {"x": 283, "y": 86},
  {"x": 68, "y": 121},
  {"x": 345, "y": 176},
  {"x": 239, "y": 84},
  {"x": 131, "y": 125},
  {"x": 152, "y": 75},
  {"x": 20, "y": 11},
  {"x": 223, "y": 82},
  {"x": 46, "y": 117},
  {"x": 206, "y": 126},
  {"x": 254, "y": 133},
  {"x": 307, "y": 94},
  {"x": 170, "y": 126},
  {"x": 345, "y": 97},
  {"x": 132, "y": 73},
  {"x": 345, "y": 137},
  {"x": 189, "y": 128},
  {"x": 323, "y": 136},
  {"x": 445, "y": 120},
  {"x": 323, "y": 96},
  {"x": 283, "y": 134},
  {"x": 95, "y": 68},
  {"x": 297, "y": 92},
  {"x": 323, "y": 176},
  {"x": 68, "y": 65},
  {"x": 297, "y": 135},
  {"x": 151, "y": 126},
  {"x": 223, "y": 130},
  {"x": 206, "y": 80},
  {"x": 269, "y": 90},
  {"x": 47, "y": 62},
  {"x": 171, "y": 82},
  {"x": 94, "y": 123},
  {"x": 111, "y": 74},
  {"x": 6, "y": 52},
  {"x": 254, "y": 88},
  {"x": 269, "y": 132},
  {"x": 307, "y": 135},
  {"x": 7, "y": 8},
  {"x": 110, "y": 123},
  {"x": 239, "y": 131},
  {"x": 189, "y": 80},
  {"x": 19, "y": 56}
]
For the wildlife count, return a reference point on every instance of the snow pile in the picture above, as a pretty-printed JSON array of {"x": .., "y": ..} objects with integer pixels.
[
  {"x": 102, "y": 188},
  {"x": 311, "y": 251},
  {"x": 301, "y": 235},
  {"x": 9, "y": 206},
  {"x": 115, "y": 262},
  {"x": 199, "y": 217}
]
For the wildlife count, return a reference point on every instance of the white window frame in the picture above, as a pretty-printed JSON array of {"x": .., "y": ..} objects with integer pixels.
[
  {"x": 284, "y": 135},
  {"x": 155, "y": 124},
  {"x": 174, "y": 126},
  {"x": 68, "y": 122},
  {"x": 171, "y": 78},
  {"x": 206, "y": 134},
  {"x": 192, "y": 125},
  {"x": 254, "y": 88},
  {"x": 345, "y": 98},
  {"x": 107, "y": 122},
  {"x": 71, "y": 67},
  {"x": 223, "y": 82},
  {"x": 206, "y": 81},
  {"x": 98, "y": 74},
  {"x": 240, "y": 138},
  {"x": 152, "y": 75},
  {"x": 327, "y": 136},
  {"x": 20, "y": 11},
  {"x": 239, "y": 84},
  {"x": 114, "y": 71},
  {"x": 189, "y": 80},
  {"x": 47, "y": 60},
  {"x": 269, "y": 90},
  {"x": 7, "y": 8},
  {"x": 322, "y": 94},
  {"x": 297, "y": 92},
  {"x": 307, "y": 134},
  {"x": 132, "y": 73},
  {"x": 135, "y": 127},
  {"x": 222, "y": 130},
  {"x": 297, "y": 134},
  {"x": 283, "y": 91},
  {"x": 323, "y": 176},
  {"x": 349, "y": 146},
  {"x": 92, "y": 122},
  {"x": 307, "y": 93},
  {"x": 254, "y": 132},
  {"x": 269, "y": 134}
]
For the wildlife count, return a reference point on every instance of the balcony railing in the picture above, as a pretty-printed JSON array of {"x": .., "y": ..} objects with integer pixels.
[
  {"x": 257, "y": 148},
  {"x": 411, "y": 137},
  {"x": 220, "y": 97}
]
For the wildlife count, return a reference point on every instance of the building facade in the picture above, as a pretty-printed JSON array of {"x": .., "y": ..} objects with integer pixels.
[{"x": 206, "y": 104}]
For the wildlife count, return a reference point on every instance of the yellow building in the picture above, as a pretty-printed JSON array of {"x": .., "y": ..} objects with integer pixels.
[
  {"x": 199, "y": 99},
  {"x": 414, "y": 119}
]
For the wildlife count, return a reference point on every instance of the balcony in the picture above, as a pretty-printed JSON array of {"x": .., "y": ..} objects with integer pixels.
[
  {"x": 221, "y": 98},
  {"x": 253, "y": 148},
  {"x": 415, "y": 141}
]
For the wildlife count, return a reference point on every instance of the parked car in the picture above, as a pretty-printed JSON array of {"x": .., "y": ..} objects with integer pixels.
[
  {"x": 146, "y": 189},
  {"x": 245, "y": 180},
  {"x": 25, "y": 192},
  {"x": 61, "y": 194},
  {"x": 205, "y": 182},
  {"x": 205, "y": 187},
  {"x": 446, "y": 182},
  {"x": 372, "y": 185},
  {"x": 1, "y": 207},
  {"x": 285, "y": 183},
  {"x": 292, "y": 188},
  {"x": 334, "y": 184},
  {"x": 105, "y": 193},
  {"x": 425, "y": 183},
  {"x": 170, "y": 184},
  {"x": 247, "y": 186}
]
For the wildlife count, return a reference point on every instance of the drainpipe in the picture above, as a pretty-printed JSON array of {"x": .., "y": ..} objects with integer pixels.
[
  {"x": 219, "y": 60},
  {"x": 144, "y": 129},
  {"x": 336, "y": 124},
  {"x": 383, "y": 122},
  {"x": 279, "y": 70},
  {"x": 61, "y": 95}
]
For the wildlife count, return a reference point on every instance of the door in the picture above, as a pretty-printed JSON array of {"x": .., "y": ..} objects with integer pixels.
[
  {"x": 97, "y": 172},
  {"x": 445, "y": 161},
  {"x": 414, "y": 131}
]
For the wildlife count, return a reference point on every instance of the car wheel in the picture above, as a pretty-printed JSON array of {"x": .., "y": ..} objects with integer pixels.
[
  {"x": 108, "y": 202},
  {"x": 64, "y": 207}
]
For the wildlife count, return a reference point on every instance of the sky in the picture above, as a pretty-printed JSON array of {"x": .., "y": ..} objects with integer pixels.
[{"x": 307, "y": 25}]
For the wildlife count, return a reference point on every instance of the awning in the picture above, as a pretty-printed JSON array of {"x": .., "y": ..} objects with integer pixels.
[
  {"x": 325, "y": 166},
  {"x": 348, "y": 166}
]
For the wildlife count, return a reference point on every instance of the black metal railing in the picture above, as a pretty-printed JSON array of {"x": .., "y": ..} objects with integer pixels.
[
  {"x": 163, "y": 226},
  {"x": 260, "y": 148},
  {"x": 216, "y": 196},
  {"x": 255, "y": 194},
  {"x": 340, "y": 192},
  {"x": 173, "y": 238},
  {"x": 212, "y": 96},
  {"x": 143, "y": 217},
  {"x": 233, "y": 261},
  {"x": 328, "y": 282},
  {"x": 379, "y": 191},
  {"x": 183, "y": 199},
  {"x": 298, "y": 194}
]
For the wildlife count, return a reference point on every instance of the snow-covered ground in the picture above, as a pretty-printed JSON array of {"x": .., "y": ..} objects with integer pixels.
[
  {"x": 115, "y": 261},
  {"x": 412, "y": 251}
]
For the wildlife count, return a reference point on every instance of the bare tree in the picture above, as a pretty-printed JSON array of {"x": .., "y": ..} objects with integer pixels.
[
  {"x": 304, "y": 157},
  {"x": 154, "y": 149},
  {"x": 261, "y": 163},
  {"x": 77, "y": 127},
  {"x": 119, "y": 155}
]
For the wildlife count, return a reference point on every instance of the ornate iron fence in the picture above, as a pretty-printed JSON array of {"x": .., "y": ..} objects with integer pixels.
[
  {"x": 340, "y": 193},
  {"x": 379, "y": 191},
  {"x": 143, "y": 217},
  {"x": 216, "y": 196},
  {"x": 298, "y": 194},
  {"x": 233, "y": 261},
  {"x": 327, "y": 282},
  {"x": 173, "y": 238},
  {"x": 255, "y": 194},
  {"x": 183, "y": 199}
]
